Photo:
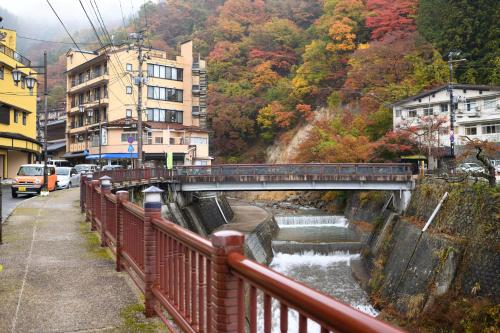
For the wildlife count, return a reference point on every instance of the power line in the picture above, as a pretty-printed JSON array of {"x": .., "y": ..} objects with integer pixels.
[
  {"x": 66, "y": 29},
  {"x": 51, "y": 41},
  {"x": 106, "y": 33},
  {"x": 123, "y": 17}
]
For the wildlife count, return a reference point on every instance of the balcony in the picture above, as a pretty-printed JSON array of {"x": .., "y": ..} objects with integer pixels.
[
  {"x": 89, "y": 104},
  {"x": 92, "y": 82},
  {"x": 14, "y": 55}
]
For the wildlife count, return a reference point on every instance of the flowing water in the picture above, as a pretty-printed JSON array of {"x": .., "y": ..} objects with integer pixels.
[{"x": 318, "y": 250}]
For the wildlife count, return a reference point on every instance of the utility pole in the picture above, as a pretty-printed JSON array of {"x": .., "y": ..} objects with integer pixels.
[
  {"x": 452, "y": 113},
  {"x": 139, "y": 81},
  {"x": 45, "y": 94}
]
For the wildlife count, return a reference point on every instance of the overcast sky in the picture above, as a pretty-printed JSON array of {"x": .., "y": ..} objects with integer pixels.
[{"x": 70, "y": 11}]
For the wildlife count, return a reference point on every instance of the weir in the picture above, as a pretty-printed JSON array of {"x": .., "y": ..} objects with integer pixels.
[{"x": 318, "y": 250}]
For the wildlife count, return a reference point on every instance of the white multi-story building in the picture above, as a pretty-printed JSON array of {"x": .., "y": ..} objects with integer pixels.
[{"x": 477, "y": 114}]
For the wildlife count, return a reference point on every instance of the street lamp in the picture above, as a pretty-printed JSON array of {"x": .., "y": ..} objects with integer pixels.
[
  {"x": 17, "y": 75},
  {"x": 30, "y": 81}
]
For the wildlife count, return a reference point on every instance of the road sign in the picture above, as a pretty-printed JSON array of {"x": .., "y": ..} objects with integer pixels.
[
  {"x": 130, "y": 139},
  {"x": 130, "y": 148}
]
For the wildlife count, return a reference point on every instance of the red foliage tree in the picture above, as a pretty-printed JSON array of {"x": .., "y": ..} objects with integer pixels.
[{"x": 390, "y": 15}]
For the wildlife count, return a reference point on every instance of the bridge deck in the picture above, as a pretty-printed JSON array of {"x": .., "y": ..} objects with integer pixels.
[{"x": 295, "y": 177}]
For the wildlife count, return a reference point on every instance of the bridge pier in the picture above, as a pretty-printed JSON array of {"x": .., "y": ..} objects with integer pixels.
[{"x": 401, "y": 199}]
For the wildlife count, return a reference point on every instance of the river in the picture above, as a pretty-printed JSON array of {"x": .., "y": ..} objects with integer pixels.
[{"x": 318, "y": 250}]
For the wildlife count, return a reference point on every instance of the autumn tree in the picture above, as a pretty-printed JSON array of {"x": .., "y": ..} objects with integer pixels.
[{"x": 386, "y": 16}]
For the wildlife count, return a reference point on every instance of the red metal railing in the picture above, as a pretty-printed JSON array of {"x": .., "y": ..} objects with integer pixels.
[
  {"x": 133, "y": 235},
  {"x": 111, "y": 225},
  {"x": 197, "y": 285},
  {"x": 183, "y": 269}
]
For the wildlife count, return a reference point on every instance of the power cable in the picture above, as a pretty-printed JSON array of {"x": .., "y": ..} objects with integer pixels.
[
  {"x": 66, "y": 29},
  {"x": 106, "y": 33},
  {"x": 52, "y": 41}
]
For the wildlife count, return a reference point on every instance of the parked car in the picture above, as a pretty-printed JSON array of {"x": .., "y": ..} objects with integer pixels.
[
  {"x": 496, "y": 164},
  {"x": 83, "y": 168},
  {"x": 67, "y": 177},
  {"x": 113, "y": 167},
  {"x": 29, "y": 179},
  {"x": 470, "y": 167},
  {"x": 59, "y": 163}
]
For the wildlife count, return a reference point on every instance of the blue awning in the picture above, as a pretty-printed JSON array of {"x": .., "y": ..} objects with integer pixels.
[{"x": 111, "y": 156}]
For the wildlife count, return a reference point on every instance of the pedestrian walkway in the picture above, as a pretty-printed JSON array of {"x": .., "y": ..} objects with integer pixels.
[{"x": 55, "y": 276}]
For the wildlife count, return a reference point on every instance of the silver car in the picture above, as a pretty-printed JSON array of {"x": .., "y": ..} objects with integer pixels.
[
  {"x": 67, "y": 177},
  {"x": 470, "y": 167}
]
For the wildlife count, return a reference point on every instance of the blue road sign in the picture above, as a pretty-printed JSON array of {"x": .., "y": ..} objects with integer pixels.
[{"x": 130, "y": 148}]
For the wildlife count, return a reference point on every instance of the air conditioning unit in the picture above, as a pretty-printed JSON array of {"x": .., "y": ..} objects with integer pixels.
[{"x": 478, "y": 108}]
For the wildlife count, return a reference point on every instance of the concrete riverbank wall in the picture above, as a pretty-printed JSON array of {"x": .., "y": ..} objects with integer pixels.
[{"x": 414, "y": 273}]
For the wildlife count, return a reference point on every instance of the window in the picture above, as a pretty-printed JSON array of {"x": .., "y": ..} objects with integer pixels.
[
  {"x": 201, "y": 162},
  {"x": 471, "y": 106},
  {"x": 471, "y": 130},
  {"x": 163, "y": 115},
  {"x": 128, "y": 113},
  {"x": 158, "y": 140},
  {"x": 198, "y": 141},
  {"x": 428, "y": 111},
  {"x": 172, "y": 141},
  {"x": 165, "y": 94},
  {"x": 165, "y": 72},
  {"x": 444, "y": 108},
  {"x": 126, "y": 135},
  {"x": 491, "y": 129},
  {"x": 4, "y": 114},
  {"x": 129, "y": 67},
  {"x": 16, "y": 116},
  {"x": 24, "y": 118},
  {"x": 412, "y": 113},
  {"x": 129, "y": 90},
  {"x": 398, "y": 113},
  {"x": 490, "y": 105},
  {"x": 1, "y": 72}
]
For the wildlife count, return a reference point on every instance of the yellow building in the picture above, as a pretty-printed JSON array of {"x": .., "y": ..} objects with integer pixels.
[
  {"x": 101, "y": 93},
  {"x": 18, "y": 144}
]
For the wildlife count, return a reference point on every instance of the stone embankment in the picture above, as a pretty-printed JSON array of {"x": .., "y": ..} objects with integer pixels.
[{"x": 429, "y": 279}]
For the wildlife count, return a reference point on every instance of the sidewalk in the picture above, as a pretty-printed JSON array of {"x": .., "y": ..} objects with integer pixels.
[{"x": 56, "y": 278}]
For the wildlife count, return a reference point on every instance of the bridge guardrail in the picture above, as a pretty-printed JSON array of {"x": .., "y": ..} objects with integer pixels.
[{"x": 202, "y": 285}]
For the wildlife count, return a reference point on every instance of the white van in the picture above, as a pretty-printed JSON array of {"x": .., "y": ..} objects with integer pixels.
[{"x": 59, "y": 163}]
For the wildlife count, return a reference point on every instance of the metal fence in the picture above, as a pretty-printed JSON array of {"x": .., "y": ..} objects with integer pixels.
[{"x": 199, "y": 285}]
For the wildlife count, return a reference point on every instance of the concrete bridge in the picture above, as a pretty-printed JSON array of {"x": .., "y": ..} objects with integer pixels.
[
  {"x": 395, "y": 177},
  {"x": 300, "y": 177}
]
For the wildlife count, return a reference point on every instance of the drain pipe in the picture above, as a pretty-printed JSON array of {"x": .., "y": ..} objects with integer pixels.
[
  {"x": 220, "y": 209},
  {"x": 218, "y": 205},
  {"x": 431, "y": 218},
  {"x": 434, "y": 213}
]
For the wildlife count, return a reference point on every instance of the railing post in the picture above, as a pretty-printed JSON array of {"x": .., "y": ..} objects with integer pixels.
[
  {"x": 121, "y": 197},
  {"x": 86, "y": 184},
  {"x": 152, "y": 209},
  {"x": 105, "y": 182},
  {"x": 82, "y": 193},
  {"x": 93, "y": 184},
  {"x": 224, "y": 284}
]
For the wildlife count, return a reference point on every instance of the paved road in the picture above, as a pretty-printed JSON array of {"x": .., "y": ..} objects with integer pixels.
[
  {"x": 9, "y": 203},
  {"x": 56, "y": 277}
]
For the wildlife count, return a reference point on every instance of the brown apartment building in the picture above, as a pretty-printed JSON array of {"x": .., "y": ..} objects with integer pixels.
[{"x": 102, "y": 97}]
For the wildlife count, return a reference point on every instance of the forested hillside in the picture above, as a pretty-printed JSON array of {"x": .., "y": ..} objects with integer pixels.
[{"x": 272, "y": 63}]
